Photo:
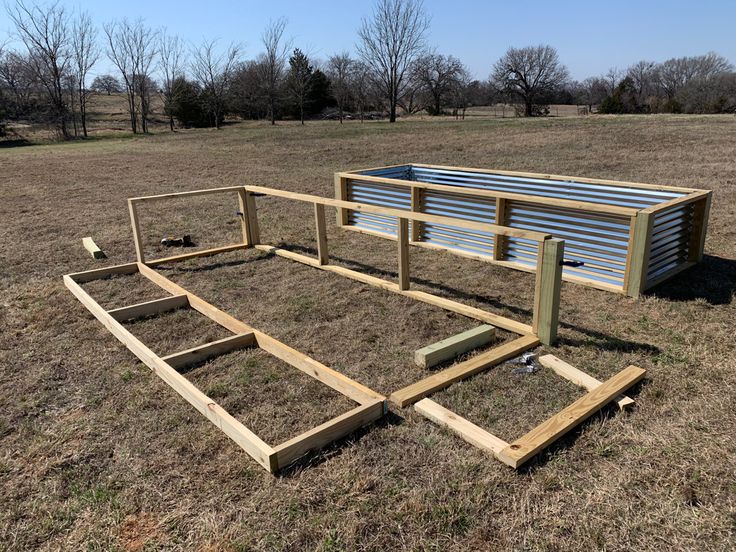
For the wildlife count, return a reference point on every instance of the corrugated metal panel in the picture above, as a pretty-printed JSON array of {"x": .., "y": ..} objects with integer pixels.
[
  {"x": 463, "y": 207},
  {"x": 599, "y": 241},
  {"x": 670, "y": 240},
  {"x": 383, "y": 195}
]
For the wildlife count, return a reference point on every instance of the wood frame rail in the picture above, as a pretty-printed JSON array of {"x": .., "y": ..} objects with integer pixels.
[
  {"x": 371, "y": 405},
  {"x": 521, "y": 450},
  {"x": 547, "y": 291},
  {"x": 635, "y": 270}
]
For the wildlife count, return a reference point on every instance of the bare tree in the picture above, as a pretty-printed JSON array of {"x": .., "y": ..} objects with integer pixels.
[
  {"x": 642, "y": 75},
  {"x": 274, "y": 60},
  {"x": 340, "y": 71},
  {"x": 45, "y": 33},
  {"x": 171, "y": 54},
  {"x": 390, "y": 40},
  {"x": 361, "y": 86},
  {"x": 529, "y": 73},
  {"x": 107, "y": 84},
  {"x": 86, "y": 54},
  {"x": 214, "y": 72},
  {"x": 437, "y": 75},
  {"x": 17, "y": 77},
  {"x": 131, "y": 48}
]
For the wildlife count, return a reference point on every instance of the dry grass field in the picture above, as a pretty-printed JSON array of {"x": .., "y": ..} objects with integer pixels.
[{"x": 98, "y": 453}]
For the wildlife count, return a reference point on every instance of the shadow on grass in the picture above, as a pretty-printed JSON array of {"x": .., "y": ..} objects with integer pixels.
[
  {"x": 713, "y": 280},
  {"x": 15, "y": 143},
  {"x": 569, "y": 439},
  {"x": 315, "y": 458}
]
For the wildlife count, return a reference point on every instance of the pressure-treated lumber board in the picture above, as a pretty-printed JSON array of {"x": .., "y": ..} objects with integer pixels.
[
  {"x": 448, "y": 348},
  {"x": 447, "y": 304},
  {"x": 659, "y": 207},
  {"x": 387, "y": 211},
  {"x": 568, "y": 203},
  {"x": 467, "y": 430},
  {"x": 250, "y": 205},
  {"x": 191, "y": 193},
  {"x": 447, "y": 377},
  {"x": 244, "y": 218},
  {"x": 321, "y": 227},
  {"x": 341, "y": 193},
  {"x": 403, "y": 234},
  {"x": 547, "y": 290},
  {"x": 328, "y": 432},
  {"x": 337, "y": 381},
  {"x": 499, "y": 244},
  {"x": 208, "y": 350},
  {"x": 105, "y": 272},
  {"x": 567, "y": 419},
  {"x": 639, "y": 248},
  {"x": 416, "y": 206},
  {"x": 148, "y": 308},
  {"x": 246, "y": 439},
  {"x": 579, "y": 378},
  {"x": 200, "y": 253},
  {"x": 135, "y": 224},
  {"x": 90, "y": 245}
]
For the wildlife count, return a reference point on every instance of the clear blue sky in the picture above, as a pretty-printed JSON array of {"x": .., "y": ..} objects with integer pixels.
[{"x": 591, "y": 36}]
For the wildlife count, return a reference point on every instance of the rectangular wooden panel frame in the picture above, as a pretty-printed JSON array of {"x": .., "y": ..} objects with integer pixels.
[
  {"x": 548, "y": 281},
  {"x": 524, "y": 448},
  {"x": 371, "y": 405},
  {"x": 635, "y": 279}
]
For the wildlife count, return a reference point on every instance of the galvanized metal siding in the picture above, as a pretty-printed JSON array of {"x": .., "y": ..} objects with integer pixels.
[
  {"x": 383, "y": 195},
  {"x": 600, "y": 241},
  {"x": 670, "y": 240}
]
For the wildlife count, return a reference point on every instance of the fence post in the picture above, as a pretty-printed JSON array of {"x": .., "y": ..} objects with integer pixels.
[
  {"x": 403, "y": 239},
  {"x": 547, "y": 290},
  {"x": 244, "y": 220},
  {"x": 319, "y": 216}
]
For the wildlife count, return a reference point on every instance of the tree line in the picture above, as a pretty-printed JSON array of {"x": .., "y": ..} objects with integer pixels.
[{"x": 395, "y": 71}]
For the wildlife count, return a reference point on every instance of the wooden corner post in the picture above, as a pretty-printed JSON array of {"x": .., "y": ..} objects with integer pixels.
[
  {"x": 416, "y": 206},
  {"x": 321, "y": 226},
  {"x": 341, "y": 193},
  {"x": 640, "y": 242},
  {"x": 499, "y": 243},
  {"x": 251, "y": 216},
  {"x": 701, "y": 210},
  {"x": 403, "y": 239},
  {"x": 547, "y": 291}
]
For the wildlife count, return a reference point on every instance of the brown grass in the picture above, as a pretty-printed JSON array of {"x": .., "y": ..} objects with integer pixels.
[{"x": 96, "y": 452}]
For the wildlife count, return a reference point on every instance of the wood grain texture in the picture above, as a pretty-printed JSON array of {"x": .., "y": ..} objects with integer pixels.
[
  {"x": 209, "y": 350},
  {"x": 403, "y": 241},
  {"x": 567, "y": 419},
  {"x": 547, "y": 290},
  {"x": 149, "y": 308},
  {"x": 453, "y": 346},
  {"x": 89, "y": 244},
  {"x": 321, "y": 228}
]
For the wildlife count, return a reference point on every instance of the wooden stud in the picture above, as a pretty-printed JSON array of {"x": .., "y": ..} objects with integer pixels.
[
  {"x": 447, "y": 377},
  {"x": 567, "y": 419},
  {"x": 341, "y": 193},
  {"x": 90, "y": 245},
  {"x": 547, "y": 291},
  {"x": 449, "y": 348},
  {"x": 639, "y": 248},
  {"x": 579, "y": 378},
  {"x": 191, "y": 193},
  {"x": 244, "y": 219},
  {"x": 701, "y": 212},
  {"x": 148, "y": 308},
  {"x": 324, "y": 434},
  {"x": 250, "y": 205},
  {"x": 319, "y": 217},
  {"x": 105, "y": 272},
  {"x": 470, "y": 432},
  {"x": 416, "y": 206},
  {"x": 136, "y": 225},
  {"x": 194, "y": 254},
  {"x": 403, "y": 240},
  {"x": 201, "y": 353},
  {"x": 499, "y": 243}
]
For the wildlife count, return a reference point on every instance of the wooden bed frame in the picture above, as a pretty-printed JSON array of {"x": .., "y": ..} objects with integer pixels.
[{"x": 371, "y": 404}]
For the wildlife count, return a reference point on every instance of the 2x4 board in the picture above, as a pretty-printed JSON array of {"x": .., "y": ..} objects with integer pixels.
[{"x": 620, "y": 236}]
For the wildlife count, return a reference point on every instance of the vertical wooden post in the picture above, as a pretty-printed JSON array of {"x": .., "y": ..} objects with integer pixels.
[
  {"x": 341, "y": 193},
  {"x": 499, "y": 242},
  {"x": 244, "y": 224},
  {"x": 547, "y": 291},
  {"x": 403, "y": 239},
  {"x": 319, "y": 217},
  {"x": 134, "y": 222},
  {"x": 701, "y": 210},
  {"x": 416, "y": 206},
  {"x": 252, "y": 218},
  {"x": 638, "y": 257}
]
